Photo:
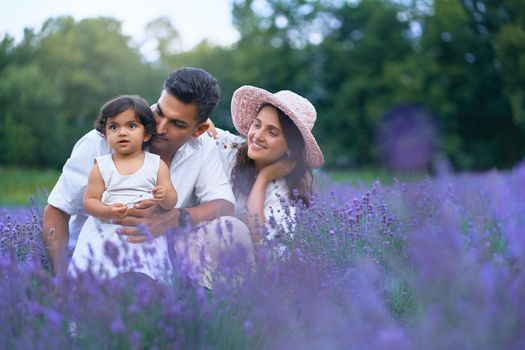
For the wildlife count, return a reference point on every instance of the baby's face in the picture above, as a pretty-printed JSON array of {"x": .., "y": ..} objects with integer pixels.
[{"x": 125, "y": 133}]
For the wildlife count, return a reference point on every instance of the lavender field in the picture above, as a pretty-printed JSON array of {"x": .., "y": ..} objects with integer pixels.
[{"x": 432, "y": 264}]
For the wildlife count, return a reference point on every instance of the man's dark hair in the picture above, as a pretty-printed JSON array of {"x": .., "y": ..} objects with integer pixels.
[
  {"x": 122, "y": 103},
  {"x": 194, "y": 85}
]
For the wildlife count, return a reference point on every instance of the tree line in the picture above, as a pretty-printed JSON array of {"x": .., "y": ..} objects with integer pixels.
[{"x": 446, "y": 77}]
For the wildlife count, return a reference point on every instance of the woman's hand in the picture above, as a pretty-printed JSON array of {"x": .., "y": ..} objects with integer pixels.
[
  {"x": 277, "y": 169},
  {"x": 211, "y": 129}
]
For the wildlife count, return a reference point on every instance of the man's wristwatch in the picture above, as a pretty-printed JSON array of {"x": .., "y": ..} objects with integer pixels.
[{"x": 184, "y": 217}]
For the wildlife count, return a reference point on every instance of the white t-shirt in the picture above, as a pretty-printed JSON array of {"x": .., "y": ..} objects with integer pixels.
[
  {"x": 196, "y": 172},
  {"x": 278, "y": 212}
]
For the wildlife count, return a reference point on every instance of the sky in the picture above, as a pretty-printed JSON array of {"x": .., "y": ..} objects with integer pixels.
[{"x": 195, "y": 20}]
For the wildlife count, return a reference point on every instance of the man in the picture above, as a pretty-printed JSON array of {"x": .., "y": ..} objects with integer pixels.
[{"x": 188, "y": 98}]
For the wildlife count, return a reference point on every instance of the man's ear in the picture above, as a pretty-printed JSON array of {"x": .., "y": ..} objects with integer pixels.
[{"x": 201, "y": 128}]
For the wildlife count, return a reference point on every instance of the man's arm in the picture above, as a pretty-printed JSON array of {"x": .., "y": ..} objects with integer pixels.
[
  {"x": 56, "y": 238},
  {"x": 211, "y": 210}
]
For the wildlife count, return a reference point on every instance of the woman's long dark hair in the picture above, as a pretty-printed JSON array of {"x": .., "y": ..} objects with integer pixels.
[{"x": 299, "y": 181}]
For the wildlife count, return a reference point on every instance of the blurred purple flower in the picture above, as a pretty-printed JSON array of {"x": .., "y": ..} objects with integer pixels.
[{"x": 407, "y": 138}]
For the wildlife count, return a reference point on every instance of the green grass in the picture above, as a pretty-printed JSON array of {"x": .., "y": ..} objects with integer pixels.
[
  {"x": 18, "y": 185},
  {"x": 367, "y": 176}
]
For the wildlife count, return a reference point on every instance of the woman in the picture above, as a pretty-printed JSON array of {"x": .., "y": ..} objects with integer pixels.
[{"x": 270, "y": 165}]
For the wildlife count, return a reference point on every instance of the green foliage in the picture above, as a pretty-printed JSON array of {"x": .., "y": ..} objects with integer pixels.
[
  {"x": 466, "y": 90},
  {"x": 502, "y": 22},
  {"x": 32, "y": 121},
  {"x": 162, "y": 31},
  {"x": 369, "y": 40},
  {"x": 354, "y": 60},
  {"x": 55, "y": 81}
]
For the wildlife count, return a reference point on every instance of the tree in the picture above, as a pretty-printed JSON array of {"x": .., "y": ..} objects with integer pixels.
[
  {"x": 167, "y": 38},
  {"x": 55, "y": 81},
  {"x": 466, "y": 90},
  {"x": 367, "y": 39},
  {"x": 32, "y": 124}
]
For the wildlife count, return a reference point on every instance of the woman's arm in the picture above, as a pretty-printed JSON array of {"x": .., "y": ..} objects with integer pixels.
[
  {"x": 164, "y": 192},
  {"x": 93, "y": 198}
]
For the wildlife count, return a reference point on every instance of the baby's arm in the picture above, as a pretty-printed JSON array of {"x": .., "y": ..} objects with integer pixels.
[
  {"x": 93, "y": 195},
  {"x": 164, "y": 192}
]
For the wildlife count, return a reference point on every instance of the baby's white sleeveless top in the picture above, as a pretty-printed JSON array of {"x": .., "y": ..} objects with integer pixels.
[
  {"x": 128, "y": 189},
  {"x": 91, "y": 252}
]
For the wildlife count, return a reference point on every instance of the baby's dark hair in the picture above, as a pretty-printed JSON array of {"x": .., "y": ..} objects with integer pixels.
[{"x": 122, "y": 103}]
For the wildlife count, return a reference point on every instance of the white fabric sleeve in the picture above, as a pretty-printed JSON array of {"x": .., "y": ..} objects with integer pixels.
[
  {"x": 228, "y": 137},
  {"x": 228, "y": 145},
  {"x": 69, "y": 190},
  {"x": 212, "y": 182}
]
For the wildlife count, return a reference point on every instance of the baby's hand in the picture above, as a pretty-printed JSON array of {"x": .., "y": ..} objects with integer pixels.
[
  {"x": 159, "y": 193},
  {"x": 118, "y": 211}
]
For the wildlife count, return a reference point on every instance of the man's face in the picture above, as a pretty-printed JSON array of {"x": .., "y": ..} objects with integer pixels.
[{"x": 176, "y": 123}]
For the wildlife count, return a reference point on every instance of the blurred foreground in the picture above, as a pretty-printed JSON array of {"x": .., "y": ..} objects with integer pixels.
[{"x": 433, "y": 264}]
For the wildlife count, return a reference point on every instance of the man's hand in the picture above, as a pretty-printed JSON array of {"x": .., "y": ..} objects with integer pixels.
[{"x": 147, "y": 218}]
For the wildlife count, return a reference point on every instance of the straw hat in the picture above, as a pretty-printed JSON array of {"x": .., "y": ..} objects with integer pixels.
[{"x": 248, "y": 100}]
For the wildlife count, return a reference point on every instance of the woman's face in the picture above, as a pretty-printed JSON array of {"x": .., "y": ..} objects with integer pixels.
[{"x": 266, "y": 141}]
